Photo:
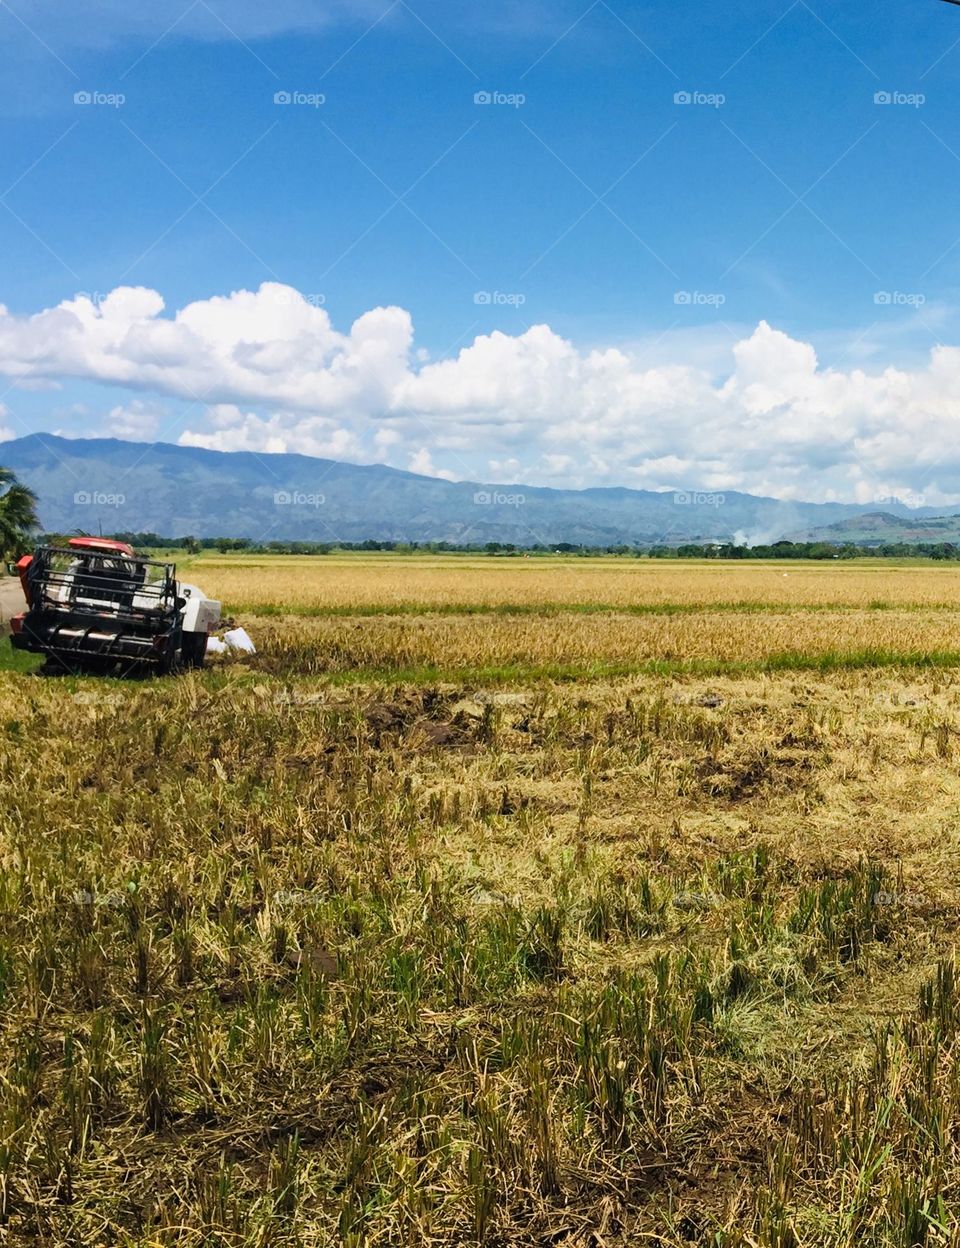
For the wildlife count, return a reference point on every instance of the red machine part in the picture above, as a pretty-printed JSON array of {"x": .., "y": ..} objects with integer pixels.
[
  {"x": 105, "y": 544},
  {"x": 23, "y": 565}
]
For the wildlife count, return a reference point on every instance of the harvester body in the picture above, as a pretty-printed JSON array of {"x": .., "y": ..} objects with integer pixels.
[{"x": 95, "y": 604}]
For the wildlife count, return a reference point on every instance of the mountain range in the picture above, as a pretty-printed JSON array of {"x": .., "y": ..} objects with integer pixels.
[{"x": 109, "y": 485}]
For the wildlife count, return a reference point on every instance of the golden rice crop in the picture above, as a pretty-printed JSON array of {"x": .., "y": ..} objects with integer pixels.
[
  {"x": 352, "y": 582},
  {"x": 449, "y": 642}
]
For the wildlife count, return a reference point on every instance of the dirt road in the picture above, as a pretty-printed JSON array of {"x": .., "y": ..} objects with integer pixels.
[{"x": 11, "y": 601}]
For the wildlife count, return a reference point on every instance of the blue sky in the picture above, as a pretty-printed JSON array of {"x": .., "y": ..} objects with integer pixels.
[{"x": 626, "y": 288}]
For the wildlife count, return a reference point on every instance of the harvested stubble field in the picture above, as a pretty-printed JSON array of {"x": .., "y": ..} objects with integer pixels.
[{"x": 592, "y": 928}]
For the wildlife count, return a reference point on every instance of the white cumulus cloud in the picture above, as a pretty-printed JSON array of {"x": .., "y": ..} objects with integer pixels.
[{"x": 266, "y": 370}]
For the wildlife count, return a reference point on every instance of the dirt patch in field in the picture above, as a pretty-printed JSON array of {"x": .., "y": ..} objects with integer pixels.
[
  {"x": 446, "y": 718},
  {"x": 740, "y": 780}
]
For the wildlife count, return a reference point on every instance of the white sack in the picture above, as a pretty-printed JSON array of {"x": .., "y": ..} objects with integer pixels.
[{"x": 239, "y": 639}]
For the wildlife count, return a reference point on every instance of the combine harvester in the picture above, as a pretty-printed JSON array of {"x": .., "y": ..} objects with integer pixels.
[{"x": 94, "y": 605}]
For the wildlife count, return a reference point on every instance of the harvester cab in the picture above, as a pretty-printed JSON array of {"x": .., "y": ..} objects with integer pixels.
[{"x": 94, "y": 604}]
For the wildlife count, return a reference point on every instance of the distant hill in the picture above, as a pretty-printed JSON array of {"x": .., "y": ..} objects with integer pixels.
[
  {"x": 94, "y": 483},
  {"x": 875, "y": 528}
]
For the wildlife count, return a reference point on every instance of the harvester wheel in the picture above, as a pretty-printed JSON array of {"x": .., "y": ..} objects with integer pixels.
[
  {"x": 194, "y": 649},
  {"x": 172, "y": 656}
]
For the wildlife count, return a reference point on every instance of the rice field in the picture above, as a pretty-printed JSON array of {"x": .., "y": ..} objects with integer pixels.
[
  {"x": 590, "y": 904},
  {"x": 377, "y": 583},
  {"x": 443, "y": 646}
]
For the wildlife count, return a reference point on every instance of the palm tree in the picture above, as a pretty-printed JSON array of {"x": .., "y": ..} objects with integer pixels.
[{"x": 18, "y": 513}]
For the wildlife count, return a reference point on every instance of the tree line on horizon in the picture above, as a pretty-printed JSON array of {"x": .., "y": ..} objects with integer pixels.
[{"x": 783, "y": 549}]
